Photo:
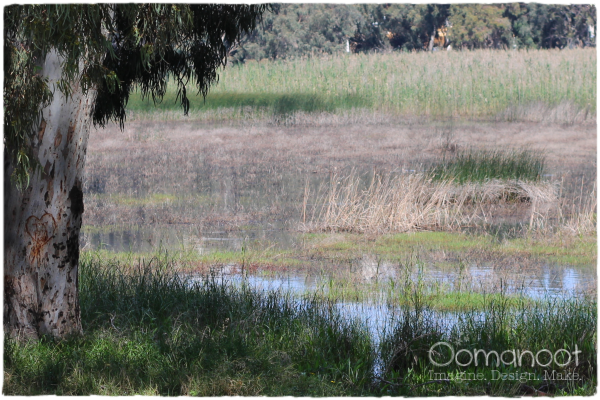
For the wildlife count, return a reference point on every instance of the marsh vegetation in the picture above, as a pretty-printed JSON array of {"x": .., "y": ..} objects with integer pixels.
[
  {"x": 535, "y": 85},
  {"x": 316, "y": 225}
]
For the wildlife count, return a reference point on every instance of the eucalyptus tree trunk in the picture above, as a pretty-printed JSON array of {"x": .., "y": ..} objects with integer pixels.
[{"x": 42, "y": 222}]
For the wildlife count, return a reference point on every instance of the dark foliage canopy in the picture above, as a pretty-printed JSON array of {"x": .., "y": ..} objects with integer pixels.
[
  {"x": 112, "y": 49},
  {"x": 297, "y": 30}
]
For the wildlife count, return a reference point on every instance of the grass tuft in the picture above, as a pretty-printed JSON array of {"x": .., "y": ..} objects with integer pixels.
[{"x": 484, "y": 165}]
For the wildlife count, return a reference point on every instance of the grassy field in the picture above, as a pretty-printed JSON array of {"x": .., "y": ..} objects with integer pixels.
[
  {"x": 548, "y": 85},
  {"x": 150, "y": 331}
]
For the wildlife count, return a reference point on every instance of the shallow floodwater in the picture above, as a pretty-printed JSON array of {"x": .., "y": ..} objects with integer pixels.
[
  {"x": 178, "y": 237},
  {"x": 377, "y": 317},
  {"x": 380, "y": 318},
  {"x": 273, "y": 200},
  {"x": 554, "y": 280},
  {"x": 547, "y": 281}
]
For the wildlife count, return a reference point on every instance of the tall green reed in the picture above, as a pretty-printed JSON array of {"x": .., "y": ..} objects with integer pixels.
[{"x": 509, "y": 85}]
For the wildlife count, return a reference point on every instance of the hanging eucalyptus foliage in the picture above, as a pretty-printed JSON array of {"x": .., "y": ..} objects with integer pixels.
[{"x": 112, "y": 49}]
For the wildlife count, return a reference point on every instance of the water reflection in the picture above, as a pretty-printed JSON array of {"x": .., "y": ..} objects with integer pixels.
[
  {"x": 147, "y": 238},
  {"x": 542, "y": 282}
]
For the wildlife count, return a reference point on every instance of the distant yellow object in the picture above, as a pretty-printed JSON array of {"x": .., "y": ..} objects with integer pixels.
[{"x": 440, "y": 40}]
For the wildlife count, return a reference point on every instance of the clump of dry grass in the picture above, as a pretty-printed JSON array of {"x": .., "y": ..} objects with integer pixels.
[
  {"x": 410, "y": 202},
  {"x": 580, "y": 216}
]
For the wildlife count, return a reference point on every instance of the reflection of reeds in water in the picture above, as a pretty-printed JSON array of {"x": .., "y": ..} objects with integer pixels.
[{"x": 416, "y": 201}]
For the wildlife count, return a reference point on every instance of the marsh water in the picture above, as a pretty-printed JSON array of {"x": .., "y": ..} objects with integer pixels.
[
  {"x": 554, "y": 280},
  {"x": 267, "y": 208},
  {"x": 226, "y": 209}
]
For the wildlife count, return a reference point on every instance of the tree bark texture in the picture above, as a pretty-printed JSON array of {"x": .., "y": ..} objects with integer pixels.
[{"x": 42, "y": 222}]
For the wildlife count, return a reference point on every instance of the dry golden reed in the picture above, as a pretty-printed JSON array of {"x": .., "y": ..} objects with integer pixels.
[{"x": 411, "y": 202}]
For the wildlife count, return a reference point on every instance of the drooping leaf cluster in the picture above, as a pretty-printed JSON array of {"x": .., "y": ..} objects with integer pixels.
[
  {"x": 111, "y": 49},
  {"x": 297, "y": 30}
]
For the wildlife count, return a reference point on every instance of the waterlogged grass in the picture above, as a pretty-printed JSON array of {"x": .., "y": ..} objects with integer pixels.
[
  {"x": 465, "y": 301},
  {"x": 440, "y": 298},
  {"x": 149, "y": 331},
  {"x": 559, "y": 326},
  {"x": 563, "y": 251},
  {"x": 476, "y": 84},
  {"x": 339, "y": 283},
  {"x": 483, "y": 165},
  {"x": 155, "y": 199},
  {"x": 121, "y": 199},
  {"x": 249, "y": 259},
  {"x": 560, "y": 250}
]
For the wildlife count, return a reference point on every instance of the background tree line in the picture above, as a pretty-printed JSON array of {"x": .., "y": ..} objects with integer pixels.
[{"x": 294, "y": 30}]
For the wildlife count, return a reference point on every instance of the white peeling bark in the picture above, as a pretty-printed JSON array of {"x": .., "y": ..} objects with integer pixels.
[{"x": 42, "y": 223}]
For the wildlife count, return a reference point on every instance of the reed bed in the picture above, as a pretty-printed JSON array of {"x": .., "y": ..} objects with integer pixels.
[
  {"x": 579, "y": 216},
  {"x": 410, "y": 202},
  {"x": 538, "y": 85}
]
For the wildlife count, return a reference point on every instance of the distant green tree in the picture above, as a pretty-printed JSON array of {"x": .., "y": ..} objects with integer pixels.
[
  {"x": 301, "y": 29},
  {"x": 522, "y": 31},
  {"x": 476, "y": 26},
  {"x": 368, "y": 35},
  {"x": 401, "y": 23},
  {"x": 295, "y": 30},
  {"x": 407, "y": 26},
  {"x": 556, "y": 26}
]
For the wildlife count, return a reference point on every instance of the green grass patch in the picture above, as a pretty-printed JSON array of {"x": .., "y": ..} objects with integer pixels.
[
  {"x": 401, "y": 294},
  {"x": 571, "y": 251},
  {"x": 467, "y": 301},
  {"x": 483, "y": 165},
  {"x": 251, "y": 256},
  {"x": 394, "y": 247}
]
